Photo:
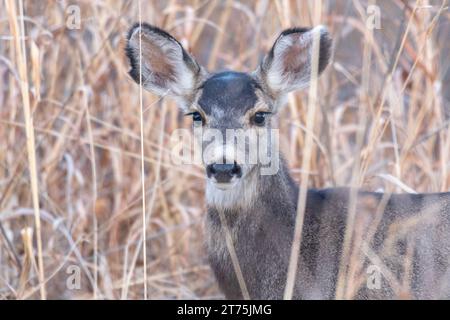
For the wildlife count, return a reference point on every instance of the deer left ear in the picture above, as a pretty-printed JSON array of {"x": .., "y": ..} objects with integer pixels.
[
  {"x": 287, "y": 67},
  {"x": 164, "y": 66}
]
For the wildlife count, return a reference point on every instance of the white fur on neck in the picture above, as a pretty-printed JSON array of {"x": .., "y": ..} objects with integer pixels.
[{"x": 239, "y": 196}]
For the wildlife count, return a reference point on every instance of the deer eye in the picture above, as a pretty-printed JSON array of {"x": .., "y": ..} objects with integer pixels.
[
  {"x": 259, "y": 118},
  {"x": 196, "y": 116}
]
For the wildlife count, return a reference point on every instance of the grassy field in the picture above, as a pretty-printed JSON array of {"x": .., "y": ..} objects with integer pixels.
[{"x": 70, "y": 139}]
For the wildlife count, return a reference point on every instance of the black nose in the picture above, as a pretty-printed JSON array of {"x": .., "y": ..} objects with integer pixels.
[{"x": 223, "y": 172}]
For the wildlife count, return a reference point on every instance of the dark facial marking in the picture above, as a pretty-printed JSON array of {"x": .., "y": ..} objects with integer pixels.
[{"x": 233, "y": 92}]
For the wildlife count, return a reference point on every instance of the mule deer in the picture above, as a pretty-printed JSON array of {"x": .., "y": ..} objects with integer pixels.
[{"x": 406, "y": 237}]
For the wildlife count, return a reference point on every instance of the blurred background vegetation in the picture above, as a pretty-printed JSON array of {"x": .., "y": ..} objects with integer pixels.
[{"x": 391, "y": 81}]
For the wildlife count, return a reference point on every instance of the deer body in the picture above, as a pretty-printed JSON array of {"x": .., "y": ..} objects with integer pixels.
[
  {"x": 263, "y": 233},
  {"x": 405, "y": 237}
]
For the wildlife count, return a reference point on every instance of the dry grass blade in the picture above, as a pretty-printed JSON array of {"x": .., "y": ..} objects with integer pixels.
[
  {"x": 94, "y": 193},
  {"x": 301, "y": 206},
  {"x": 19, "y": 41},
  {"x": 141, "y": 117},
  {"x": 233, "y": 256},
  {"x": 29, "y": 262}
]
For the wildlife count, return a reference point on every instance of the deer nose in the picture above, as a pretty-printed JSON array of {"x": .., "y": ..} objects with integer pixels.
[{"x": 223, "y": 173}]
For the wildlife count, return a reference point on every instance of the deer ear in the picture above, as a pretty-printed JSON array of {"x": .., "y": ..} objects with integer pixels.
[
  {"x": 166, "y": 67},
  {"x": 287, "y": 67}
]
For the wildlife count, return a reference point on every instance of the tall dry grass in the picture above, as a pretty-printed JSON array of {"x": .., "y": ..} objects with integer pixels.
[{"x": 382, "y": 121}]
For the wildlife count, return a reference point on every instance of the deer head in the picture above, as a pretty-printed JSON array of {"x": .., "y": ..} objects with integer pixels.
[{"x": 226, "y": 101}]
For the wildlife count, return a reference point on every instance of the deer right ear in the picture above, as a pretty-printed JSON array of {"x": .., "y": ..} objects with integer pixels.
[
  {"x": 166, "y": 67},
  {"x": 287, "y": 67}
]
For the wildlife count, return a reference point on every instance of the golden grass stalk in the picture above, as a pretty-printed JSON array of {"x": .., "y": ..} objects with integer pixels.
[
  {"x": 219, "y": 38},
  {"x": 141, "y": 118},
  {"x": 19, "y": 41},
  {"x": 306, "y": 165},
  {"x": 233, "y": 256},
  {"x": 343, "y": 281},
  {"x": 28, "y": 263},
  {"x": 94, "y": 193}
]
